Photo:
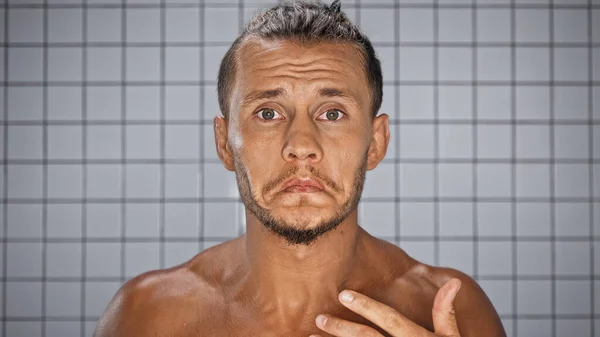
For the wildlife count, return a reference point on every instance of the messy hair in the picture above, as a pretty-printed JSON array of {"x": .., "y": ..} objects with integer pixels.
[{"x": 304, "y": 22}]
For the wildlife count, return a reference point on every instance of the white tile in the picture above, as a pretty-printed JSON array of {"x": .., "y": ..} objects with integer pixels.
[
  {"x": 143, "y": 25},
  {"x": 571, "y": 180},
  {"x": 377, "y": 24},
  {"x": 103, "y": 259},
  {"x": 416, "y": 102},
  {"x": 416, "y": 180},
  {"x": 25, "y": 103},
  {"x": 455, "y": 219},
  {"x": 494, "y": 180},
  {"x": 493, "y": 24},
  {"x": 182, "y": 64},
  {"x": 25, "y": 25},
  {"x": 572, "y": 258},
  {"x": 533, "y": 102},
  {"x": 143, "y": 103},
  {"x": 533, "y": 64},
  {"x": 533, "y": 258},
  {"x": 494, "y": 141},
  {"x": 500, "y": 294},
  {"x": 455, "y": 25},
  {"x": 533, "y": 219},
  {"x": 570, "y": 25},
  {"x": 455, "y": 102},
  {"x": 378, "y": 218},
  {"x": 141, "y": 257},
  {"x": 65, "y": 64},
  {"x": 213, "y": 22},
  {"x": 416, "y": 64},
  {"x": 183, "y": 102},
  {"x": 455, "y": 180},
  {"x": 25, "y": 64},
  {"x": 103, "y": 103},
  {"x": 532, "y": 25},
  {"x": 65, "y": 25},
  {"x": 416, "y": 24},
  {"x": 23, "y": 259},
  {"x": 182, "y": 220},
  {"x": 533, "y": 297},
  {"x": 416, "y": 219},
  {"x": 143, "y": 64},
  {"x": 455, "y": 141},
  {"x": 142, "y": 220},
  {"x": 416, "y": 141},
  {"x": 24, "y": 221},
  {"x": 455, "y": 64},
  {"x": 63, "y": 259},
  {"x": 183, "y": 25},
  {"x": 571, "y": 102},
  {"x": 380, "y": 182},
  {"x": 571, "y": 64},
  {"x": 103, "y": 220},
  {"x": 572, "y": 297},
  {"x": 494, "y": 103},
  {"x": 142, "y": 181},
  {"x": 571, "y": 141},
  {"x": 457, "y": 255},
  {"x": 494, "y": 218},
  {"x": 533, "y": 180}
]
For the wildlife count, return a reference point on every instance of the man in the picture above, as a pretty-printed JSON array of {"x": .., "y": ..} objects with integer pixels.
[{"x": 300, "y": 90}]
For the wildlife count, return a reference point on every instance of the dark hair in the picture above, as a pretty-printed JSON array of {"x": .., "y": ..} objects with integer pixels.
[{"x": 304, "y": 22}]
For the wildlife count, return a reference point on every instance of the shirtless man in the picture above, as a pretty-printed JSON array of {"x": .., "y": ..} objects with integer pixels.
[{"x": 299, "y": 92}]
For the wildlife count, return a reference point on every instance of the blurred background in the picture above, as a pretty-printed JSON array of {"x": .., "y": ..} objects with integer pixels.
[{"x": 109, "y": 167}]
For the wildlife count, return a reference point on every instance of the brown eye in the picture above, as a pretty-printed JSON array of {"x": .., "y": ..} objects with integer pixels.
[{"x": 267, "y": 114}]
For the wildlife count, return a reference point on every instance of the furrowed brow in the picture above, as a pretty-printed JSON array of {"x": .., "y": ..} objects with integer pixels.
[{"x": 262, "y": 95}]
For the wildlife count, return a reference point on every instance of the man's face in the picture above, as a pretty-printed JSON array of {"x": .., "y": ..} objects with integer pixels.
[{"x": 300, "y": 134}]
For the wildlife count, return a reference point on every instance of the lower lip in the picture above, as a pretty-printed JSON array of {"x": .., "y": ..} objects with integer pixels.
[{"x": 302, "y": 189}]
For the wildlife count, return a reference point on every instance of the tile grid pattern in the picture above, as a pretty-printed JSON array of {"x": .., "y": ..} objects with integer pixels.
[{"x": 437, "y": 221}]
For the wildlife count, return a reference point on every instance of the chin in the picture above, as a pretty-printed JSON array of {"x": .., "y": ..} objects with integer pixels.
[{"x": 302, "y": 217}]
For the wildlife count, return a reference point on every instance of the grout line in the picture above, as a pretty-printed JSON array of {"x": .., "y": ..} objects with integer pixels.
[
  {"x": 552, "y": 174},
  {"x": 44, "y": 219},
  {"x": 83, "y": 246}
]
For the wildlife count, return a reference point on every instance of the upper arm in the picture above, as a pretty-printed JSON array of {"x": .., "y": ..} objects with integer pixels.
[{"x": 475, "y": 314}]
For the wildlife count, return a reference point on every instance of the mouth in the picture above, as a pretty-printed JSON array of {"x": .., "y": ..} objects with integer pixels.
[{"x": 302, "y": 186}]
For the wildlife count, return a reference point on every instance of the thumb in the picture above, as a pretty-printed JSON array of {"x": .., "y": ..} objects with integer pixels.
[{"x": 444, "y": 319}]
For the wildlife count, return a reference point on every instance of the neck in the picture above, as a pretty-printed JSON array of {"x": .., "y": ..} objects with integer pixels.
[{"x": 294, "y": 279}]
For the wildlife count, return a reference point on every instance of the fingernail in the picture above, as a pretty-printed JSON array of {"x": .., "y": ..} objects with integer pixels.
[
  {"x": 321, "y": 319},
  {"x": 346, "y": 297}
]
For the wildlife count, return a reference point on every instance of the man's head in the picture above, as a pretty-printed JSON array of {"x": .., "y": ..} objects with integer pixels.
[{"x": 300, "y": 90}]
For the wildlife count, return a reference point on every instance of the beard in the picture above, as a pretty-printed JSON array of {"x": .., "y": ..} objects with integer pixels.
[{"x": 296, "y": 234}]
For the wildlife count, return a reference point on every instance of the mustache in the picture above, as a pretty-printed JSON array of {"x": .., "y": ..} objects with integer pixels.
[{"x": 315, "y": 174}]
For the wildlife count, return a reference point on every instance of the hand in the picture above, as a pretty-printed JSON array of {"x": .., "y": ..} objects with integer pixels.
[{"x": 444, "y": 320}]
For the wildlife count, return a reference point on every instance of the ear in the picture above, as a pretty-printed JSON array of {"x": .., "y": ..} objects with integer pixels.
[
  {"x": 222, "y": 144},
  {"x": 379, "y": 142}
]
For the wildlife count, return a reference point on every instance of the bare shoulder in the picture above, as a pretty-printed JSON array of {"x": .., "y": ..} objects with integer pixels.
[
  {"x": 168, "y": 302},
  {"x": 475, "y": 314}
]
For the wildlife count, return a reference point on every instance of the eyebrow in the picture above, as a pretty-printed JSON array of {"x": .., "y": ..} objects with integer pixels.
[
  {"x": 278, "y": 92},
  {"x": 263, "y": 94}
]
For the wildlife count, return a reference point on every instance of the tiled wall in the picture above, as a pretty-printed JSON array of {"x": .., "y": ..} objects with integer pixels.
[{"x": 109, "y": 168}]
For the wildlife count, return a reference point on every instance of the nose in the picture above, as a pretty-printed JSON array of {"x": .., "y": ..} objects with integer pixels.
[{"x": 302, "y": 143}]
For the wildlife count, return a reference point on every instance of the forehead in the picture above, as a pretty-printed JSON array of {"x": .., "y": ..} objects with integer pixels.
[{"x": 268, "y": 64}]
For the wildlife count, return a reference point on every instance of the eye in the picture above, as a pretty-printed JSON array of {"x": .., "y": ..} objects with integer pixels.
[
  {"x": 332, "y": 115},
  {"x": 267, "y": 114}
]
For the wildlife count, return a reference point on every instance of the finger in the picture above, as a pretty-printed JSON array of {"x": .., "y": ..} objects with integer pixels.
[
  {"x": 384, "y": 316},
  {"x": 444, "y": 317},
  {"x": 342, "y": 328}
]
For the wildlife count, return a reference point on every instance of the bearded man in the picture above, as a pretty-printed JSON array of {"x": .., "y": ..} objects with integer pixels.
[{"x": 300, "y": 90}]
